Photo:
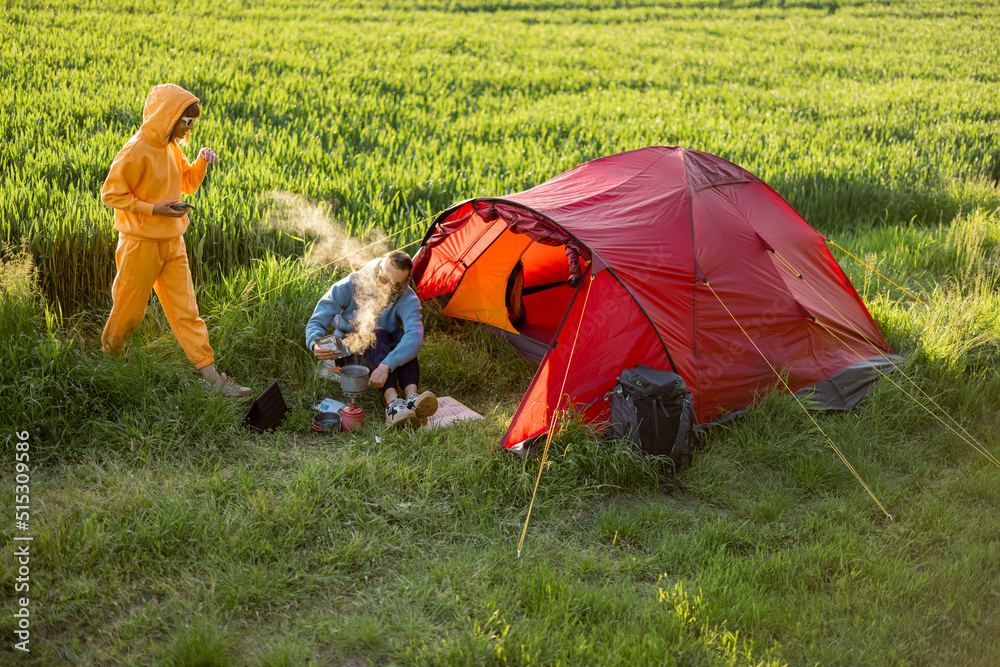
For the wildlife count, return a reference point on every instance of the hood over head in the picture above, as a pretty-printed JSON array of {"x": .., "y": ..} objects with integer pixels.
[{"x": 164, "y": 107}]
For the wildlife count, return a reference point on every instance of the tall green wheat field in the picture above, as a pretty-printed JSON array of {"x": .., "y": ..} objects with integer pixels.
[{"x": 165, "y": 533}]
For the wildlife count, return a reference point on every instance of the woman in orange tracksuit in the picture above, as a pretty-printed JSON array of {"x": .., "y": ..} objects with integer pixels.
[{"x": 144, "y": 187}]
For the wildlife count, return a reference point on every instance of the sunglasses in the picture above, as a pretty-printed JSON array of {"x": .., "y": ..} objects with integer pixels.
[
  {"x": 188, "y": 121},
  {"x": 387, "y": 281}
]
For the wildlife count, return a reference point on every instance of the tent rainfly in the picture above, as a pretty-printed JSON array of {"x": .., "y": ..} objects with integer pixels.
[{"x": 663, "y": 256}]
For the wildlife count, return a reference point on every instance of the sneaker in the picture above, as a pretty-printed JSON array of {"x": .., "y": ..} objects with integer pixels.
[
  {"x": 227, "y": 386},
  {"x": 397, "y": 414},
  {"x": 424, "y": 405}
]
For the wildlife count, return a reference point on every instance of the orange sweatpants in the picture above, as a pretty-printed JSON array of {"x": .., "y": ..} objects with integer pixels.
[{"x": 163, "y": 266}]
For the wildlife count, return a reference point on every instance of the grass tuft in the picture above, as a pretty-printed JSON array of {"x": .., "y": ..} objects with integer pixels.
[{"x": 198, "y": 644}]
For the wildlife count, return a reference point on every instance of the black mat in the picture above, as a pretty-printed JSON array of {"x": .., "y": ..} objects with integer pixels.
[{"x": 267, "y": 410}]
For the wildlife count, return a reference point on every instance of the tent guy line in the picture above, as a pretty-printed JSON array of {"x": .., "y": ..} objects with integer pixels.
[
  {"x": 866, "y": 264},
  {"x": 829, "y": 440},
  {"x": 967, "y": 438},
  {"x": 538, "y": 477},
  {"x": 970, "y": 440},
  {"x": 555, "y": 414}
]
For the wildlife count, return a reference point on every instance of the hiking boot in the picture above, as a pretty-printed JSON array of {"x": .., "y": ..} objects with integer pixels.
[
  {"x": 398, "y": 415},
  {"x": 227, "y": 386},
  {"x": 424, "y": 405}
]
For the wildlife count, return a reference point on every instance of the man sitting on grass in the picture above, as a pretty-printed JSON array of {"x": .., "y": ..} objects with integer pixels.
[{"x": 377, "y": 315}]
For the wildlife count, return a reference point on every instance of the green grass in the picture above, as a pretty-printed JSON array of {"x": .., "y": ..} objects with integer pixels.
[
  {"x": 167, "y": 534},
  {"x": 858, "y": 113}
]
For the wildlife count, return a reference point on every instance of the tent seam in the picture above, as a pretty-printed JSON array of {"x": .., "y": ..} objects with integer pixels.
[
  {"x": 607, "y": 266},
  {"x": 694, "y": 286}
]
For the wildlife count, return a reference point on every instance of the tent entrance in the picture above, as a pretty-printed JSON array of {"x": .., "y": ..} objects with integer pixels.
[{"x": 483, "y": 295}]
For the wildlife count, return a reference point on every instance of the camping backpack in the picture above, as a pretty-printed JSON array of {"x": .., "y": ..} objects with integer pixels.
[{"x": 652, "y": 410}]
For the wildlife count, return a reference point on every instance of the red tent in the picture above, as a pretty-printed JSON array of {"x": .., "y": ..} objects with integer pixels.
[{"x": 688, "y": 261}]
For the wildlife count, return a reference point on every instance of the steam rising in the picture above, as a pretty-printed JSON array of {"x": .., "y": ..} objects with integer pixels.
[
  {"x": 295, "y": 213},
  {"x": 372, "y": 298}
]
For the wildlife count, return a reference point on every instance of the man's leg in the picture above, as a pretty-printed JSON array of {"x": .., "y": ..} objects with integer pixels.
[
  {"x": 397, "y": 412},
  {"x": 138, "y": 264},
  {"x": 375, "y": 355},
  {"x": 423, "y": 405},
  {"x": 408, "y": 375}
]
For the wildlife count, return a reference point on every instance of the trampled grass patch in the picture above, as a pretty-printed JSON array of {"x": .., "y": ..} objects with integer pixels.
[{"x": 165, "y": 533}]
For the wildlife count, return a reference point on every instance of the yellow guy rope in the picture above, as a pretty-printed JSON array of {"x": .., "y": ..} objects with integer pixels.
[
  {"x": 555, "y": 416},
  {"x": 538, "y": 478},
  {"x": 832, "y": 242},
  {"x": 970, "y": 440},
  {"x": 308, "y": 273},
  {"x": 829, "y": 440}
]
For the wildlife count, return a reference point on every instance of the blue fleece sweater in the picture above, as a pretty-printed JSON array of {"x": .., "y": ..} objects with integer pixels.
[{"x": 337, "y": 307}]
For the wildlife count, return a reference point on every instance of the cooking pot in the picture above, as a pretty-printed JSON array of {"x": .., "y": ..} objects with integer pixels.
[
  {"x": 354, "y": 380},
  {"x": 326, "y": 422}
]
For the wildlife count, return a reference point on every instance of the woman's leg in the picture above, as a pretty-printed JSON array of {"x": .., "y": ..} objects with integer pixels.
[
  {"x": 138, "y": 264},
  {"x": 176, "y": 291}
]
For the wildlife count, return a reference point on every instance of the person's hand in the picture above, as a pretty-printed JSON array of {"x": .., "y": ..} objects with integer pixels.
[
  {"x": 167, "y": 210},
  {"x": 379, "y": 376},
  {"x": 323, "y": 353},
  {"x": 208, "y": 155}
]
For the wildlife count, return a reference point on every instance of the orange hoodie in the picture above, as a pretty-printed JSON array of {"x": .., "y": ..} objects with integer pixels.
[{"x": 150, "y": 169}]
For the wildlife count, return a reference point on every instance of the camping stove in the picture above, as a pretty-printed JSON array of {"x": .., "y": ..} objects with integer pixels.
[
  {"x": 354, "y": 384},
  {"x": 351, "y": 416}
]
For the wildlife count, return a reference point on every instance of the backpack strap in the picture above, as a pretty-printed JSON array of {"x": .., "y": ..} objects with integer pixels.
[
  {"x": 683, "y": 427},
  {"x": 670, "y": 473},
  {"x": 656, "y": 420}
]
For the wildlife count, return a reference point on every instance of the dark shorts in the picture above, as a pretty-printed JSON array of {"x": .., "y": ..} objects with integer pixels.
[{"x": 408, "y": 373}]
